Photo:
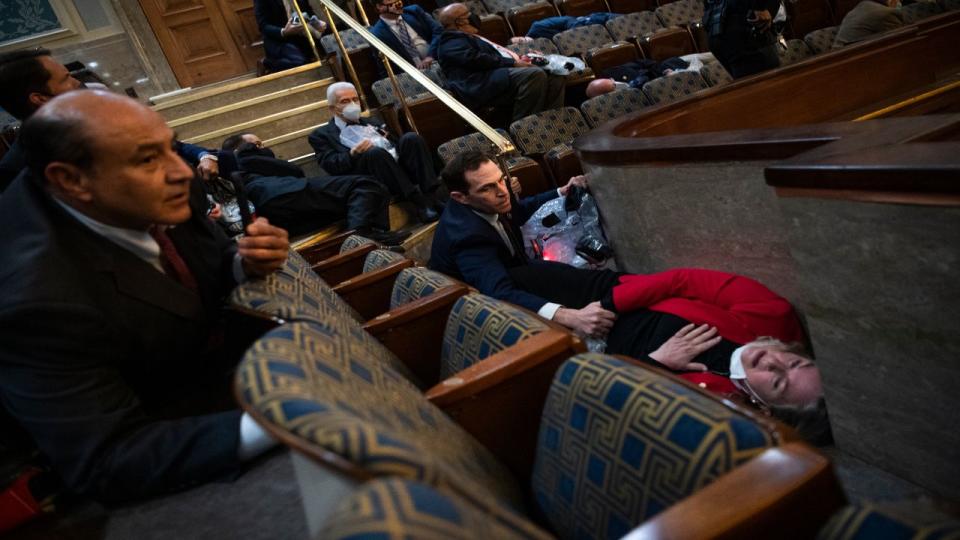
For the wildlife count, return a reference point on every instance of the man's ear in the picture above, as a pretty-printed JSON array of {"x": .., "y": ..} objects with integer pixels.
[
  {"x": 458, "y": 196},
  {"x": 69, "y": 180},
  {"x": 37, "y": 99}
]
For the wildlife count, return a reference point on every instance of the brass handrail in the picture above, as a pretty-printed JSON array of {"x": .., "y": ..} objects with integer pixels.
[
  {"x": 308, "y": 30},
  {"x": 502, "y": 143}
]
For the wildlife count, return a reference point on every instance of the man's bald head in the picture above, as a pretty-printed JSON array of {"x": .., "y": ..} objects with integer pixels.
[
  {"x": 448, "y": 16},
  {"x": 109, "y": 157}
]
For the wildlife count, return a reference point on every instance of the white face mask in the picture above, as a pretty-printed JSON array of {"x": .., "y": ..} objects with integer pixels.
[
  {"x": 738, "y": 375},
  {"x": 351, "y": 112}
]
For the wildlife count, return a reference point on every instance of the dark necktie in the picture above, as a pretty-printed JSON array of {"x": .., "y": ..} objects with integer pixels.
[
  {"x": 171, "y": 261},
  {"x": 518, "y": 251},
  {"x": 407, "y": 41}
]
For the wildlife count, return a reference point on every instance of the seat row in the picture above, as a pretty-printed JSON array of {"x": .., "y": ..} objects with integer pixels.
[{"x": 501, "y": 427}]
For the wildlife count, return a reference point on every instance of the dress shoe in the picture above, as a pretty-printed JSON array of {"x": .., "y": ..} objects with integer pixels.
[{"x": 387, "y": 238}]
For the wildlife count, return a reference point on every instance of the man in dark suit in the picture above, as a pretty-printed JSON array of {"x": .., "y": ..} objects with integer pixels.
[
  {"x": 282, "y": 193},
  {"x": 284, "y": 41},
  {"x": 479, "y": 241},
  {"x": 28, "y": 79},
  {"x": 482, "y": 73},
  {"x": 410, "y": 175},
  {"x": 739, "y": 34},
  {"x": 111, "y": 284},
  {"x": 410, "y": 31}
]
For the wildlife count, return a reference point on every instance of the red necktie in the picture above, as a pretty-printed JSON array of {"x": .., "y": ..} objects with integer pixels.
[{"x": 171, "y": 261}]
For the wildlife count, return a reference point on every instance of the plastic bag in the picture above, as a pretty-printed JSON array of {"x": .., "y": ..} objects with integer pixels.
[
  {"x": 223, "y": 192},
  {"x": 556, "y": 63},
  {"x": 351, "y": 135},
  {"x": 567, "y": 230}
]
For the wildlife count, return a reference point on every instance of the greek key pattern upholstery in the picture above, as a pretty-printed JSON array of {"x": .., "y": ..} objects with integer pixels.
[
  {"x": 396, "y": 508},
  {"x": 337, "y": 390},
  {"x": 619, "y": 443},
  {"x": 294, "y": 293},
  {"x": 680, "y": 13},
  {"x": 557, "y": 151},
  {"x": 577, "y": 41},
  {"x": 537, "y": 133},
  {"x": 542, "y": 45},
  {"x": 673, "y": 87},
  {"x": 632, "y": 25},
  {"x": 380, "y": 258},
  {"x": 869, "y": 522},
  {"x": 919, "y": 10},
  {"x": 503, "y": 6},
  {"x": 715, "y": 74},
  {"x": 351, "y": 40},
  {"x": 795, "y": 51},
  {"x": 606, "y": 107},
  {"x": 414, "y": 283},
  {"x": 480, "y": 326},
  {"x": 821, "y": 41},
  {"x": 353, "y": 242},
  {"x": 472, "y": 141},
  {"x": 383, "y": 89}
]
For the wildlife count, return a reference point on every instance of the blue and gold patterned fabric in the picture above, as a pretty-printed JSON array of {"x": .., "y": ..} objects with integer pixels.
[
  {"x": 538, "y": 133},
  {"x": 294, "y": 293},
  {"x": 400, "y": 509},
  {"x": 632, "y": 25},
  {"x": 794, "y": 51},
  {"x": 821, "y": 41},
  {"x": 578, "y": 41},
  {"x": 715, "y": 74},
  {"x": 471, "y": 141},
  {"x": 383, "y": 89},
  {"x": 415, "y": 283},
  {"x": 480, "y": 326},
  {"x": 380, "y": 258},
  {"x": 353, "y": 242},
  {"x": 339, "y": 390},
  {"x": 919, "y": 11},
  {"x": 891, "y": 522},
  {"x": 619, "y": 443},
  {"x": 351, "y": 40},
  {"x": 673, "y": 87},
  {"x": 606, "y": 107}
]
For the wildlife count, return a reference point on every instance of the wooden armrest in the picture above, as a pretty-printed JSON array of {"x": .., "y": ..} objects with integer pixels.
[
  {"x": 326, "y": 248},
  {"x": 786, "y": 492},
  {"x": 343, "y": 266},
  {"x": 414, "y": 331},
  {"x": 369, "y": 293},
  {"x": 499, "y": 400}
]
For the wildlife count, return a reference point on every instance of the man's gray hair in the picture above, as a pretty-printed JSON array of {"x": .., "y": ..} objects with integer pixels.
[{"x": 336, "y": 87}]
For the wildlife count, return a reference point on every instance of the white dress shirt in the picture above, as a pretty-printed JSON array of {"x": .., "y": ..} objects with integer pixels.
[{"x": 418, "y": 43}]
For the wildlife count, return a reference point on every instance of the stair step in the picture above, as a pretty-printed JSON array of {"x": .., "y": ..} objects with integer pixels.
[
  {"x": 202, "y": 99},
  {"x": 270, "y": 126},
  {"x": 245, "y": 111},
  {"x": 292, "y": 145}
]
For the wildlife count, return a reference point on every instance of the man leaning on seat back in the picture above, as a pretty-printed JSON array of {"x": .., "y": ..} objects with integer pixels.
[{"x": 112, "y": 279}]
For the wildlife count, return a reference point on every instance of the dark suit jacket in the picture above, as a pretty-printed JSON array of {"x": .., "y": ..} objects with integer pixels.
[
  {"x": 12, "y": 163},
  {"x": 271, "y": 18},
  {"x": 474, "y": 70},
  {"x": 418, "y": 21},
  {"x": 467, "y": 247},
  {"x": 270, "y": 177},
  {"x": 99, "y": 349},
  {"x": 866, "y": 20},
  {"x": 332, "y": 155}
]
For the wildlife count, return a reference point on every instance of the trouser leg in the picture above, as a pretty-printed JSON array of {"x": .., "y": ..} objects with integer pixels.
[
  {"x": 527, "y": 86},
  {"x": 378, "y": 163},
  {"x": 361, "y": 199},
  {"x": 415, "y": 159},
  {"x": 553, "y": 96},
  {"x": 564, "y": 284}
]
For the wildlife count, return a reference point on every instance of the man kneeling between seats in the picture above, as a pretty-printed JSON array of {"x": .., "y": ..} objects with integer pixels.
[
  {"x": 110, "y": 298},
  {"x": 711, "y": 326}
]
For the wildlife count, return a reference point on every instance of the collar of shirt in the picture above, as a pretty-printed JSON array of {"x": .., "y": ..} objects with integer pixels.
[
  {"x": 340, "y": 122},
  {"x": 494, "y": 221},
  {"x": 140, "y": 243}
]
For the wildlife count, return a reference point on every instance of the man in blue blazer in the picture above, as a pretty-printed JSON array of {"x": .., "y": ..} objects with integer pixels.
[
  {"x": 482, "y": 73},
  {"x": 478, "y": 240},
  {"x": 410, "y": 31}
]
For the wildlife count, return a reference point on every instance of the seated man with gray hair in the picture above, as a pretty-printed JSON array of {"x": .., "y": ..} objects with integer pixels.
[{"x": 349, "y": 144}]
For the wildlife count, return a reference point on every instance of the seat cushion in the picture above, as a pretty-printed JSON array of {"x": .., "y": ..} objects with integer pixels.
[
  {"x": 715, "y": 74},
  {"x": 581, "y": 39},
  {"x": 397, "y": 508},
  {"x": 821, "y": 41},
  {"x": 674, "y": 87},
  {"x": 889, "y": 522},
  {"x": 540, "y": 132},
  {"x": 606, "y": 107},
  {"x": 479, "y": 326},
  {"x": 381, "y": 258},
  {"x": 633, "y": 25},
  {"x": 414, "y": 283},
  {"x": 353, "y": 242},
  {"x": 795, "y": 51},
  {"x": 335, "y": 390},
  {"x": 618, "y": 443}
]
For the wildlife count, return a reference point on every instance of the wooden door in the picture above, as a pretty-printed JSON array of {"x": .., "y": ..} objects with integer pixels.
[
  {"x": 196, "y": 40},
  {"x": 238, "y": 14}
]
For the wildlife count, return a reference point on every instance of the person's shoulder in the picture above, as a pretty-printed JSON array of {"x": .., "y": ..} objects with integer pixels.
[{"x": 414, "y": 9}]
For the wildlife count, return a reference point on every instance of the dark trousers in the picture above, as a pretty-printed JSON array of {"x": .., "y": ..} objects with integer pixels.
[
  {"x": 533, "y": 90},
  {"x": 739, "y": 54},
  {"x": 564, "y": 284},
  {"x": 327, "y": 199},
  {"x": 289, "y": 54},
  {"x": 412, "y": 173}
]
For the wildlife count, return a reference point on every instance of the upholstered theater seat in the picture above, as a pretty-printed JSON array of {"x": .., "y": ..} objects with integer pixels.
[
  {"x": 537, "y": 134},
  {"x": 633, "y": 25},
  {"x": 794, "y": 51},
  {"x": 545, "y": 46},
  {"x": 396, "y": 508},
  {"x": 369, "y": 291},
  {"x": 577, "y": 41},
  {"x": 349, "y": 262},
  {"x": 821, "y": 41},
  {"x": 919, "y": 10},
  {"x": 528, "y": 172},
  {"x": 674, "y": 87},
  {"x": 714, "y": 74},
  {"x": 680, "y": 13},
  {"x": 606, "y": 107},
  {"x": 888, "y": 522},
  {"x": 415, "y": 283},
  {"x": 383, "y": 88}
]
